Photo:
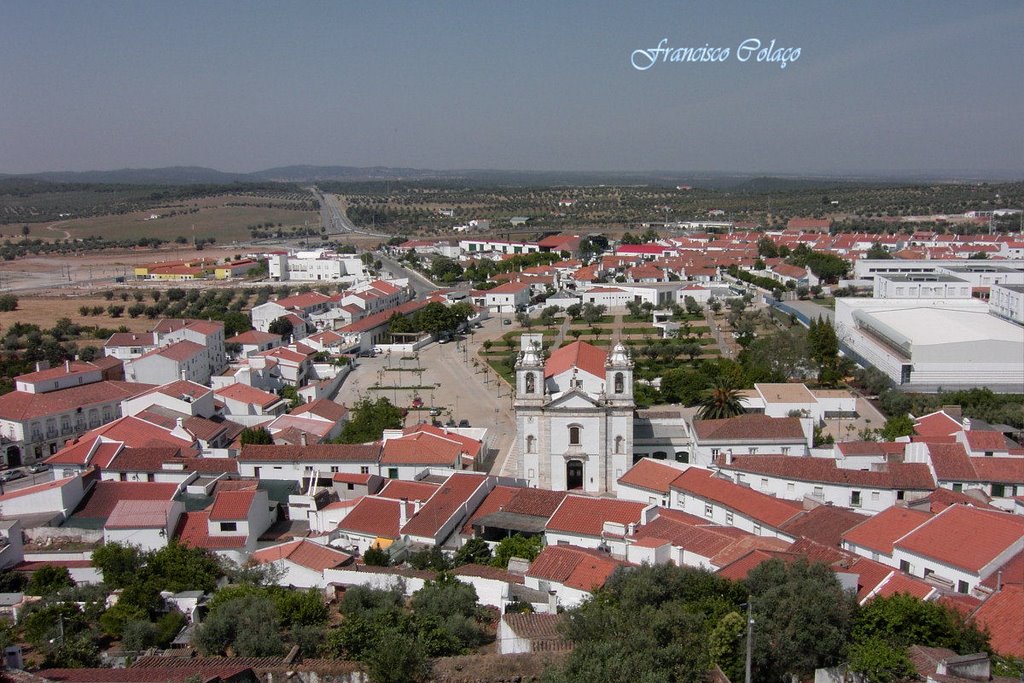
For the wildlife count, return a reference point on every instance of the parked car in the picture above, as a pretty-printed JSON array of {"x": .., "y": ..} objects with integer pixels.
[
  {"x": 366, "y": 354},
  {"x": 463, "y": 423},
  {"x": 506, "y": 321},
  {"x": 11, "y": 475},
  {"x": 434, "y": 412},
  {"x": 38, "y": 467}
]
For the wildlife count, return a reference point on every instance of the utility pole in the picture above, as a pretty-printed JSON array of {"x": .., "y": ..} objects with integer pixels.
[{"x": 750, "y": 640}]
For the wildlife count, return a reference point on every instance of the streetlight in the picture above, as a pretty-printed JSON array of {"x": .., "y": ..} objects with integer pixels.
[{"x": 750, "y": 640}]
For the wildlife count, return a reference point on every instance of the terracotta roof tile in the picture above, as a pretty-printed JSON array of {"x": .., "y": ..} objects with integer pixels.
[
  {"x": 574, "y": 567},
  {"x": 824, "y": 524},
  {"x": 965, "y": 537},
  {"x": 753, "y": 504},
  {"x": 375, "y": 516},
  {"x": 582, "y": 355},
  {"x": 878, "y": 533},
  {"x": 452, "y": 496},
  {"x": 895, "y": 476},
  {"x": 104, "y": 495},
  {"x": 421, "y": 448},
  {"x": 749, "y": 427},
  {"x": 22, "y": 405},
  {"x": 397, "y": 489},
  {"x": 650, "y": 475},
  {"x": 304, "y": 553},
  {"x": 1003, "y": 616},
  {"x": 586, "y": 516},
  {"x": 194, "y": 531},
  {"x": 231, "y": 505}
]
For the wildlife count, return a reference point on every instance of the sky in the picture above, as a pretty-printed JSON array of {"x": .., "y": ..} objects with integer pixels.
[{"x": 925, "y": 86}]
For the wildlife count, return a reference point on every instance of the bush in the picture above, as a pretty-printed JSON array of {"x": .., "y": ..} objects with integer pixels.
[{"x": 8, "y": 302}]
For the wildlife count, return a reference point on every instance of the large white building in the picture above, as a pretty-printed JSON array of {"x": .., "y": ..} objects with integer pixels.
[
  {"x": 574, "y": 416},
  {"x": 930, "y": 343},
  {"x": 321, "y": 265},
  {"x": 1007, "y": 301}
]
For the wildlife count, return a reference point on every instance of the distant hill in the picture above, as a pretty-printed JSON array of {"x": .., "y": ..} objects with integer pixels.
[
  {"x": 172, "y": 175},
  {"x": 751, "y": 182}
]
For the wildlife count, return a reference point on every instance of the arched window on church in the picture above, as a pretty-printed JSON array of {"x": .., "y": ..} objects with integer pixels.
[
  {"x": 574, "y": 435},
  {"x": 531, "y": 444},
  {"x": 530, "y": 383},
  {"x": 619, "y": 383},
  {"x": 618, "y": 445}
]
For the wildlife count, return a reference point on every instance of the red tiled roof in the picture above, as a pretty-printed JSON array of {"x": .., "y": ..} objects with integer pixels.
[
  {"x": 985, "y": 441},
  {"x": 1010, "y": 574},
  {"x": 72, "y": 368},
  {"x": 254, "y": 337},
  {"x": 582, "y": 355},
  {"x": 375, "y": 516},
  {"x": 304, "y": 300},
  {"x": 878, "y": 533},
  {"x": 143, "y": 459},
  {"x": 1002, "y": 615},
  {"x": 178, "y": 351},
  {"x": 895, "y": 476},
  {"x": 493, "y": 502},
  {"x": 137, "y": 433},
  {"x": 378, "y": 319},
  {"x": 535, "y": 502},
  {"x": 586, "y": 516},
  {"x": 936, "y": 424},
  {"x": 194, "y": 531},
  {"x": 246, "y": 394},
  {"x": 965, "y": 537},
  {"x": 738, "y": 569},
  {"x": 421, "y": 448},
  {"x": 574, "y": 567},
  {"x": 508, "y": 288},
  {"x": 704, "y": 540},
  {"x": 351, "y": 478},
  {"x": 749, "y": 427},
  {"x": 824, "y": 524},
  {"x": 454, "y": 495},
  {"x": 304, "y": 553},
  {"x": 650, "y": 475},
  {"x": 940, "y": 499},
  {"x": 104, "y": 495},
  {"x": 231, "y": 505},
  {"x": 469, "y": 444},
  {"x": 139, "y": 514},
  {"x": 19, "y": 406},
  {"x": 397, "y": 489},
  {"x": 746, "y": 501},
  {"x": 953, "y": 464},
  {"x": 322, "y": 407},
  {"x": 899, "y": 582},
  {"x": 152, "y": 674}
]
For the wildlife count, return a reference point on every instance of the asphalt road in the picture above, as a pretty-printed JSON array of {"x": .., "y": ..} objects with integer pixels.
[
  {"x": 421, "y": 285},
  {"x": 334, "y": 218}
]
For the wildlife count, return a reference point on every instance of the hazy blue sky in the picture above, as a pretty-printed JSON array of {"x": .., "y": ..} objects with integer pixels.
[{"x": 879, "y": 86}]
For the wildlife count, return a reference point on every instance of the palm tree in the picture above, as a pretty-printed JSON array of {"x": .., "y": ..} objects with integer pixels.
[{"x": 720, "y": 401}]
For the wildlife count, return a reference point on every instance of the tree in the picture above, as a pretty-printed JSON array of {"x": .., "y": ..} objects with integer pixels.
[
  {"x": 376, "y": 556},
  {"x": 692, "y": 307},
  {"x": 592, "y": 313},
  {"x": 897, "y": 426},
  {"x": 802, "y": 615},
  {"x": 445, "y": 270},
  {"x": 473, "y": 551},
  {"x": 682, "y": 385},
  {"x": 248, "y": 625},
  {"x": 877, "y": 251},
  {"x": 180, "y": 568},
  {"x": 823, "y": 346},
  {"x": 880, "y": 662},
  {"x": 649, "y": 624},
  {"x": 516, "y": 545},
  {"x": 396, "y": 657},
  {"x": 281, "y": 326},
  {"x": 119, "y": 563},
  {"x": 235, "y": 323},
  {"x": 256, "y": 435},
  {"x": 903, "y": 620},
  {"x": 370, "y": 419},
  {"x": 720, "y": 401},
  {"x": 48, "y": 580}
]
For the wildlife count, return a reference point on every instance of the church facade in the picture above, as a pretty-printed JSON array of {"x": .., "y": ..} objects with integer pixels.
[{"x": 574, "y": 416}]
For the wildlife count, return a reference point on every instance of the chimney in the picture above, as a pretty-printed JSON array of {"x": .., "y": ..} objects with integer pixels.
[
  {"x": 403, "y": 515},
  {"x": 631, "y": 529},
  {"x": 552, "y": 602},
  {"x": 182, "y": 374},
  {"x": 999, "y": 580},
  {"x": 416, "y": 505},
  {"x": 302, "y": 438},
  {"x": 179, "y": 423},
  {"x": 67, "y": 365}
]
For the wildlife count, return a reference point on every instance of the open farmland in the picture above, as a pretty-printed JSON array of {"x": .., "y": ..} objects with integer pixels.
[{"x": 225, "y": 218}]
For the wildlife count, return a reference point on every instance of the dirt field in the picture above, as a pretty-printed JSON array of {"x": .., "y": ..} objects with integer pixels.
[
  {"x": 93, "y": 270},
  {"x": 214, "y": 219},
  {"x": 45, "y": 310}
]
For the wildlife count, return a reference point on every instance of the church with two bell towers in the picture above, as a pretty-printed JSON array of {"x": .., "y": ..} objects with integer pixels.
[{"x": 574, "y": 416}]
